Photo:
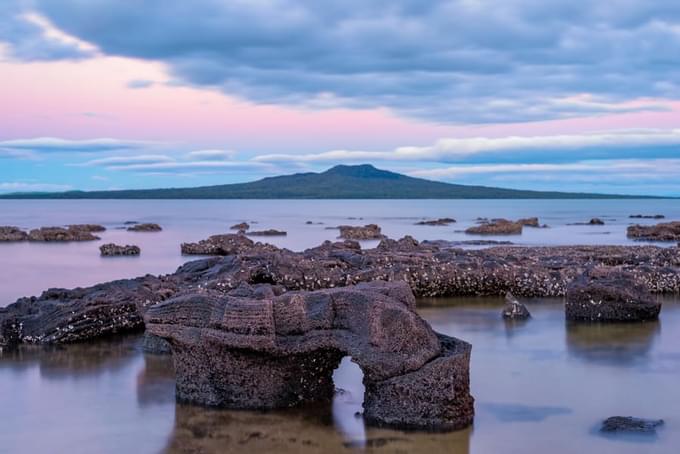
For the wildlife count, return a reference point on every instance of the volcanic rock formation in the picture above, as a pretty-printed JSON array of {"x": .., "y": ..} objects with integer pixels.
[{"x": 259, "y": 348}]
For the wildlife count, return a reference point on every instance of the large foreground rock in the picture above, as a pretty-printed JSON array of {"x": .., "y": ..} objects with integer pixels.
[
  {"x": 10, "y": 233},
  {"x": 665, "y": 231},
  {"x": 256, "y": 349},
  {"x": 610, "y": 295}
]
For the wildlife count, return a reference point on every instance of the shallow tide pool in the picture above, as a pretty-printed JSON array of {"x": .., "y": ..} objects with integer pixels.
[{"x": 540, "y": 386}]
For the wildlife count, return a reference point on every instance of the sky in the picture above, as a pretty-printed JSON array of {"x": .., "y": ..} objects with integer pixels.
[{"x": 571, "y": 95}]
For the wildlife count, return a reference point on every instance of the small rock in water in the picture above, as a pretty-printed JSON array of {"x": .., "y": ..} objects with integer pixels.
[
  {"x": 366, "y": 232},
  {"x": 596, "y": 221},
  {"x": 630, "y": 424},
  {"x": 145, "y": 228},
  {"x": 242, "y": 227},
  {"x": 440, "y": 221},
  {"x": 514, "y": 310},
  {"x": 11, "y": 233},
  {"x": 111, "y": 250}
]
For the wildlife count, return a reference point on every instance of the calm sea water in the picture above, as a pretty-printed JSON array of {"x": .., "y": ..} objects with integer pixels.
[{"x": 541, "y": 386}]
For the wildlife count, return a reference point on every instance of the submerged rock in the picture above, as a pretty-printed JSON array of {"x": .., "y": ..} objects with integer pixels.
[
  {"x": 71, "y": 233},
  {"x": 666, "y": 231},
  {"x": 647, "y": 216},
  {"x": 269, "y": 351},
  {"x": 10, "y": 233},
  {"x": 606, "y": 294},
  {"x": 145, "y": 228},
  {"x": 440, "y": 221},
  {"x": 93, "y": 228},
  {"x": 629, "y": 424},
  {"x": 111, "y": 250},
  {"x": 366, "y": 232},
  {"x": 268, "y": 232},
  {"x": 514, "y": 310},
  {"x": 496, "y": 227}
]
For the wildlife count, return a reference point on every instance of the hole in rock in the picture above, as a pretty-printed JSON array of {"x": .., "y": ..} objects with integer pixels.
[{"x": 348, "y": 401}]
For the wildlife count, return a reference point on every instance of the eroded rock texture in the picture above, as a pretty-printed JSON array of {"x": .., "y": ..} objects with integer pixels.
[
  {"x": 10, "y": 233},
  {"x": 256, "y": 348},
  {"x": 605, "y": 294},
  {"x": 366, "y": 232}
]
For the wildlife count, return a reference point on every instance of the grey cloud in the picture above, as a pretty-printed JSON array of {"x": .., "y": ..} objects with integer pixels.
[
  {"x": 453, "y": 61},
  {"x": 54, "y": 144}
]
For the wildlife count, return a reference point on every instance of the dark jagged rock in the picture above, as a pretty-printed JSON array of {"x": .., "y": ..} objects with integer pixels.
[
  {"x": 629, "y": 424},
  {"x": 268, "y": 232},
  {"x": 280, "y": 351},
  {"x": 440, "y": 221},
  {"x": 608, "y": 294},
  {"x": 145, "y": 228},
  {"x": 241, "y": 227},
  {"x": 513, "y": 309},
  {"x": 596, "y": 221},
  {"x": 496, "y": 227},
  {"x": 647, "y": 216},
  {"x": 111, "y": 250},
  {"x": 666, "y": 231},
  {"x": 63, "y": 316},
  {"x": 366, "y": 232},
  {"x": 71, "y": 233},
  {"x": 10, "y": 233}
]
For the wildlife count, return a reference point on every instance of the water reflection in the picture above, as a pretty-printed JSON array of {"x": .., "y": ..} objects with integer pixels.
[
  {"x": 156, "y": 380},
  {"x": 616, "y": 344}
]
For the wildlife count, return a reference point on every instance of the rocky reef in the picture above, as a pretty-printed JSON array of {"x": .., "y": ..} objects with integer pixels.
[
  {"x": 112, "y": 250},
  {"x": 63, "y": 234},
  {"x": 366, "y": 232},
  {"x": 665, "y": 231},
  {"x": 610, "y": 295},
  {"x": 429, "y": 268},
  {"x": 10, "y": 233},
  {"x": 145, "y": 228},
  {"x": 496, "y": 227},
  {"x": 261, "y": 347}
]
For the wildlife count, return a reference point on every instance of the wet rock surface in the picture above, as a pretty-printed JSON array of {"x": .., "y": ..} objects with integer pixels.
[
  {"x": 496, "y": 227},
  {"x": 62, "y": 234},
  {"x": 148, "y": 227},
  {"x": 258, "y": 349},
  {"x": 10, "y": 233},
  {"x": 366, "y": 232},
  {"x": 665, "y": 231},
  {"x": 437, "y": 222},
  {"x": 607, "y": 295},
  {"x": 514, "y": 310},
  {"x": 631, "y": 425},
  {"x": 112, "y": 250}
]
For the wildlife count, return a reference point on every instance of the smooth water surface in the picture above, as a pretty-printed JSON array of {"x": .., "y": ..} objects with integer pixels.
[
  {"x": 28, "y": 268},
  {"x": 540, "y": 386}
]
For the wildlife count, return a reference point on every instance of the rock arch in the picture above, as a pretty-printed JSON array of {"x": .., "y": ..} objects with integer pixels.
[{"x": 261, "y": 348}]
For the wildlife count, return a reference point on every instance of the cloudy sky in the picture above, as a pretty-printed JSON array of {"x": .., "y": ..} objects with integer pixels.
[{"x": 567, "y": 94}]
